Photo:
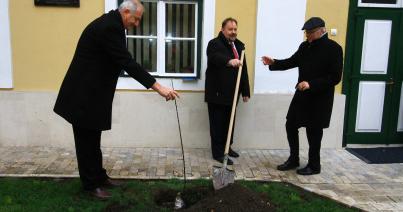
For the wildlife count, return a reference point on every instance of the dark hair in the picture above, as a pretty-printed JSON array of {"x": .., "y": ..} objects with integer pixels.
[{"x": 228, "y": 20}]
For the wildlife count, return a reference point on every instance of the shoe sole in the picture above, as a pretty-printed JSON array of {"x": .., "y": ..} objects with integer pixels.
[
  {"x": 288, "y": 169},
  {"x": 312, "y": 173}
]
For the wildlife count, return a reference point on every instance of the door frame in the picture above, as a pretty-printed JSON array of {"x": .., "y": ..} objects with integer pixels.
[{"x": 350, "y": 60}]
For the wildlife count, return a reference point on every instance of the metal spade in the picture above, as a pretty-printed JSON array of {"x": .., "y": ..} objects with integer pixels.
[{"x": 222, "y": 176}]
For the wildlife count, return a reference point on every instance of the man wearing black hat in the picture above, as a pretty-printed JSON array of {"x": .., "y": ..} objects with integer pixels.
[{"x": 320, "y": 63}]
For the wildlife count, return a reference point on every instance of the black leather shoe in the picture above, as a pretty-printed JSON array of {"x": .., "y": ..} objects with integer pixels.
[
  {"x": 232, "y": 153},
  {"x": 100, "y": 194},
  {"x": 111, "y": 183},
  {"x": 308, "y": 171},
  {"x": 288, "y": 165},
  {"x": 221, "y": 160}
]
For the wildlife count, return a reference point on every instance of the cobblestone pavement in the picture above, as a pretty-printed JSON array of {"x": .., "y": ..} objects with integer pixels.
[{"x": 343, "y": 178}]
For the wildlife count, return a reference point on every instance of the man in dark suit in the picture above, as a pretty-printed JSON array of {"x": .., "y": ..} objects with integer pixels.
[
  {"x": 320, "y": 64},
  {"x": 86, "y": 94},
  {"x": 223, "y": 55}
]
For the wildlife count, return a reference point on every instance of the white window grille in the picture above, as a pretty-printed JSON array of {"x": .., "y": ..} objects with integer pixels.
[{"x": 166, "y": 43}]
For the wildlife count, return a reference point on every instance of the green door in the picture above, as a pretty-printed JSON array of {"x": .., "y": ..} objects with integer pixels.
[{"x": 373, "y": 77}]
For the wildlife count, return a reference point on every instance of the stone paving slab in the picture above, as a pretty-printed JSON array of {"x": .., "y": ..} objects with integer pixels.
[{"x": 344, "y": 178}]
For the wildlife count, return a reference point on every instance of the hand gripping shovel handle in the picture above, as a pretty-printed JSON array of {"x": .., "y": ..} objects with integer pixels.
[
  {"x": 231, "y": 123},
  {"x": 222, "y": 176}
]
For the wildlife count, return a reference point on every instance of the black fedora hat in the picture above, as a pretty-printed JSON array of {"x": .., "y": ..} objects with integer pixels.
[{"x": 313, "y": 23}]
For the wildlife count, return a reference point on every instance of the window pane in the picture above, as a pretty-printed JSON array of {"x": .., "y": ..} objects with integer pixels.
[
  {"x": 180, "y": 20},
  {"x": 148, "y": 24},
  {"x": 144, "y": 51},
  {"x": 179, "y": 56},
  {"x": 380, "y": 1}
]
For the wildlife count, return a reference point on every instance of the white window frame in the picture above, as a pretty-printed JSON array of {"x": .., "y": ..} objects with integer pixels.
[
  {"x": 6, "y": 69},
  {"x": 208, "y": 33},
  {"x": 399, "y": 4},
  {"x": 162, "y": 39}
]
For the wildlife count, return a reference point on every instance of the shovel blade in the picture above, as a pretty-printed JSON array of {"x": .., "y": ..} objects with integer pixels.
[{"x": 222, "y": 177}]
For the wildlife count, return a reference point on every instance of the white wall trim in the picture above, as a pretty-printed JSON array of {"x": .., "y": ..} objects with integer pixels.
[
  {"x": 110, "y": 5},
  {"x": 279, "y": 38},
  {"x": 179, "y": 84},
  {"x": 6, "y": 69}
]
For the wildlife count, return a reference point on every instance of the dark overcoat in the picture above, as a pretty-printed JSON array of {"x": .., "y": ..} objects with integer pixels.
[
  {"x": 86, "y": 94},
  {"x": 320, "y": 63},
  {"x": 221, "y": 78}
]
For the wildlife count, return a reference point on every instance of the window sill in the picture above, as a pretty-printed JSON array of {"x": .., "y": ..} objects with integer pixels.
[{"x": 194, "y": 84}]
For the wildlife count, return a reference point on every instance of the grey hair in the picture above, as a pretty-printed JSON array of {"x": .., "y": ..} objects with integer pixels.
[{"x": 128, "y": 4}]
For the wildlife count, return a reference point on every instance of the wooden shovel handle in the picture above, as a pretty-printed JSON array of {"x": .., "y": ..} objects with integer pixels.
[{"x": 231, "y": 122}]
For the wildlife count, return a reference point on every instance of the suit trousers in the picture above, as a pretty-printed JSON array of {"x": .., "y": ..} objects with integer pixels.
[
  {"x": 219, "y": 118},
  {"x": 89, "y": 157},
  {"x": 314, "y": 136}
]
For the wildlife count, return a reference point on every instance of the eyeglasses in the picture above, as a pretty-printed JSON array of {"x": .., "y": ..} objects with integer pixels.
[{"x": 312, "y": 31}]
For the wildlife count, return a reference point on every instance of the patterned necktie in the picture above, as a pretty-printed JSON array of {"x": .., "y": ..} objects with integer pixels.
[{"x": 234, "y": 50}]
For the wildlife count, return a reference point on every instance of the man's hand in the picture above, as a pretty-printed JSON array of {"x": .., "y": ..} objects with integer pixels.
[
  {"x": 267, "y": 60},
  {"x": 166, "y": 92},
  {"x": 302, "y": 86},
  {"x": 245, "y": 98},
  {"x": 234, "y": 63}
]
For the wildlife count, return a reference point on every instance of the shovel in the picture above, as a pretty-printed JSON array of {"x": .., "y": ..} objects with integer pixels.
[{"x": 222, "y": 176}]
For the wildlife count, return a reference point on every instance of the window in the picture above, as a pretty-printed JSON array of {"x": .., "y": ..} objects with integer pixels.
[
  {"x": 205, "y": 32},
  {"x": 380, "y": 3},
  {"x": 168, "y": 41}
]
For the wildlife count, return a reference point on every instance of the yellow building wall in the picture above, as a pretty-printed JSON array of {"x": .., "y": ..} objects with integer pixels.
[
  {"x": 245, "y": 13},
  {"x": 43, "y": 41},
  {"x": 335, "y": 14}
]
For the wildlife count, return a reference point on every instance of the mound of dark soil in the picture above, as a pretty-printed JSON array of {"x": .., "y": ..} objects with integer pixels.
[{"x": 231, "y": 198}]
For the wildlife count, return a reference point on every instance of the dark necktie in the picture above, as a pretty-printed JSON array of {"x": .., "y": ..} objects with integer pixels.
[{"x": 234, "y": 50}]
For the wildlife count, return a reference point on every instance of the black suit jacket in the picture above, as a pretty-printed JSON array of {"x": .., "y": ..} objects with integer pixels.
[
  {"x": 86, "y": 94},
  {"x": 220, "y": 78},
  {"x": 320, "y": 63}
]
